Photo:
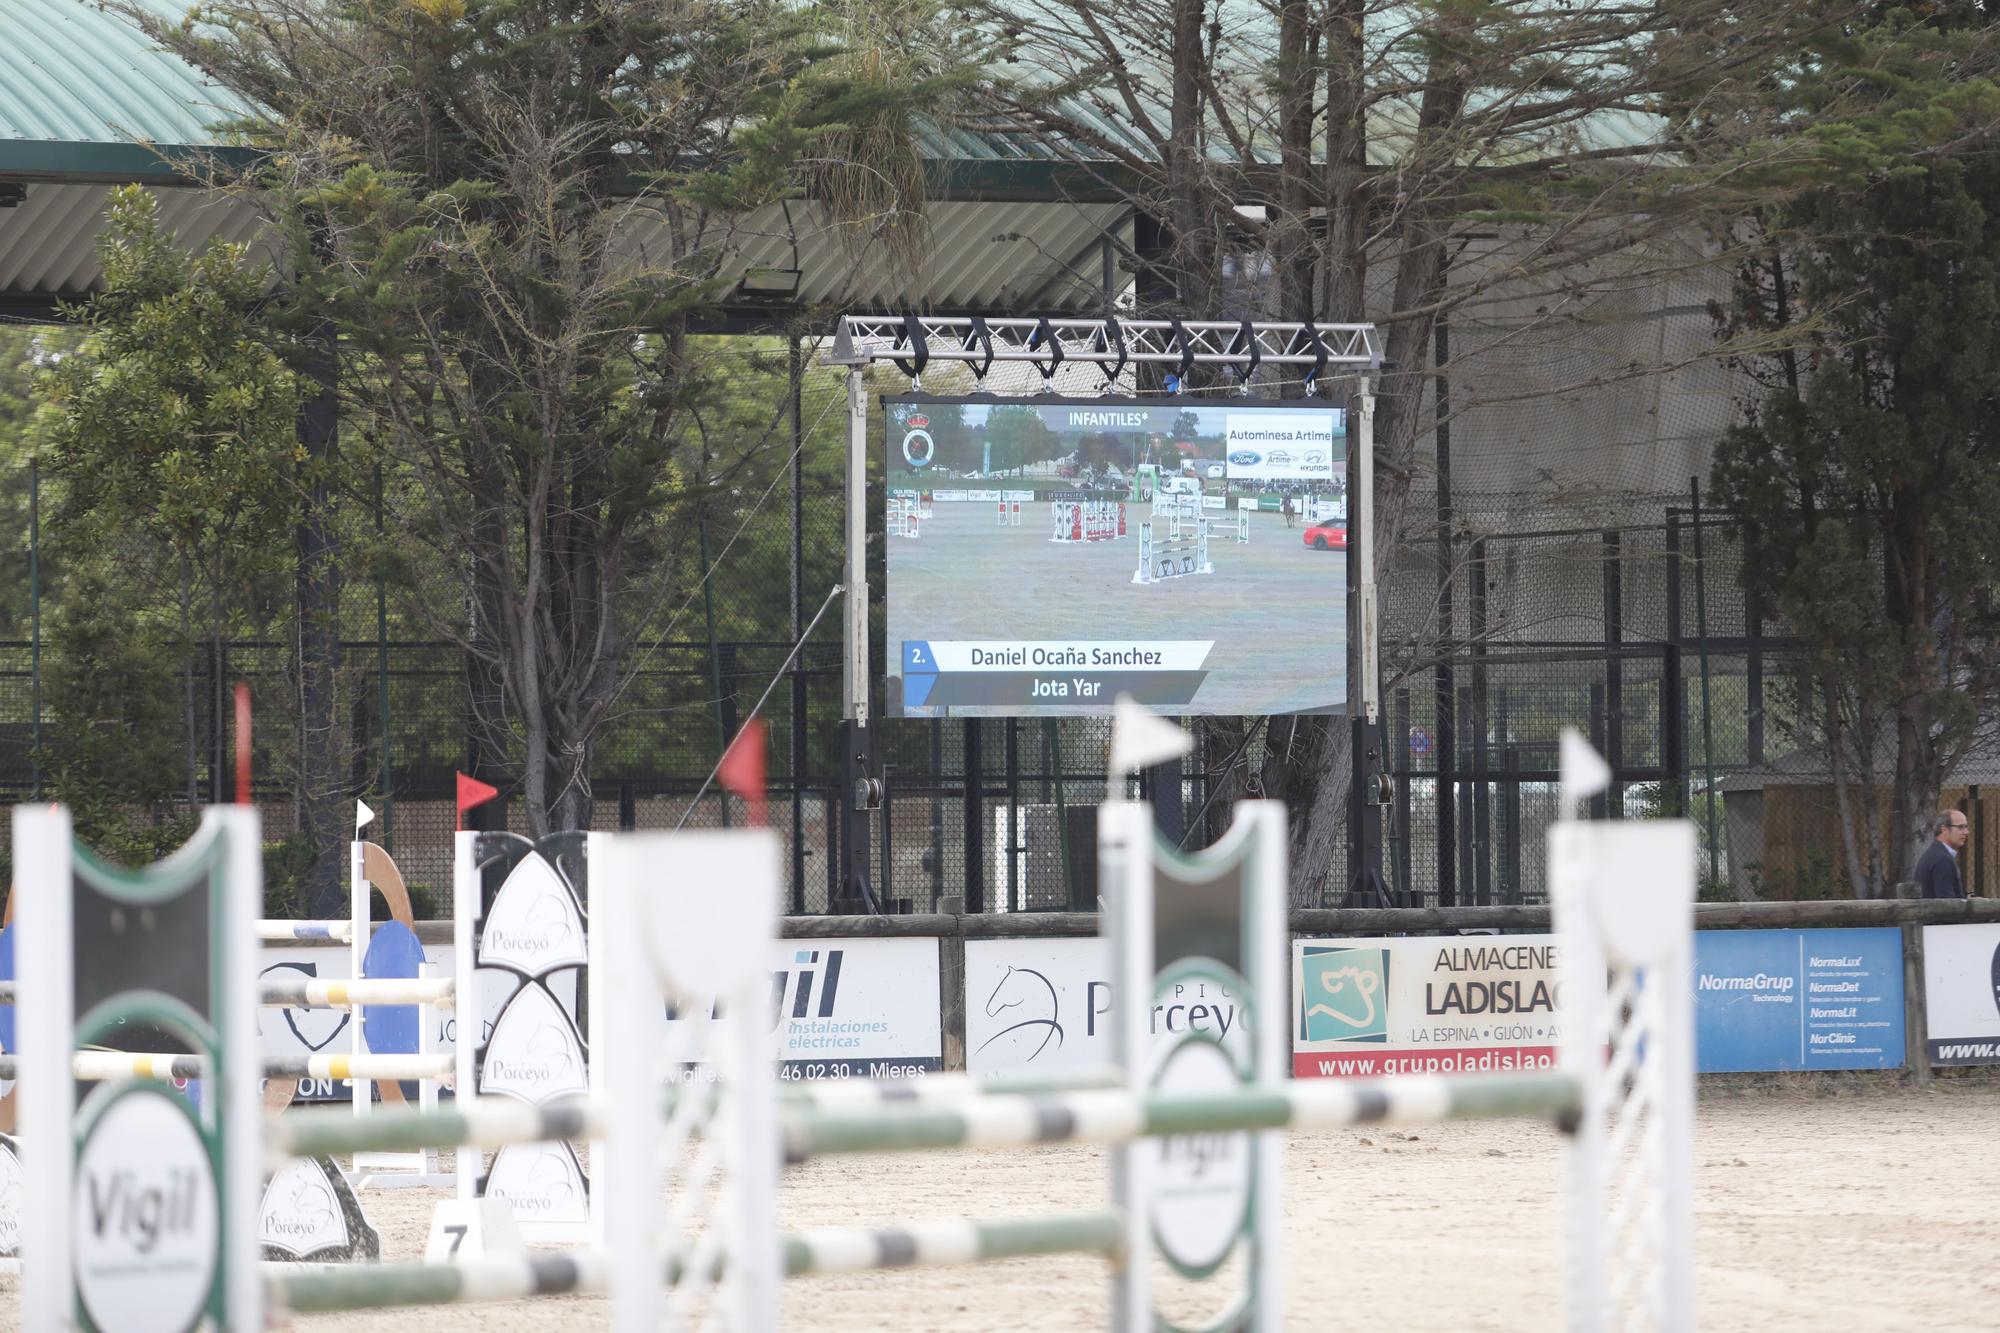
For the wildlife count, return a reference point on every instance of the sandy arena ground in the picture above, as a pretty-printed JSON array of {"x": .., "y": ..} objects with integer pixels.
[
  {"x": 1871, "y": 1210},
  {"x": 1274, "y": 607}
]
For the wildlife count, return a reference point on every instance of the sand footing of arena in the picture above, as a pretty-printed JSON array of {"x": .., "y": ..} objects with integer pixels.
[{"x": 1856, "y": 1209}]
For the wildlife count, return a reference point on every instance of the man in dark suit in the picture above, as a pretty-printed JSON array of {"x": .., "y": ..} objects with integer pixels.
[{"x": 1937, "y": 869}]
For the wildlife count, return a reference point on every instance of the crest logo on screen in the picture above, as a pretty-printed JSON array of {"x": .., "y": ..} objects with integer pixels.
[
  {"x": 314, "y": 1028},
  {"x": 1344, "y": 994},
  {"x": 918, "y": 446}
]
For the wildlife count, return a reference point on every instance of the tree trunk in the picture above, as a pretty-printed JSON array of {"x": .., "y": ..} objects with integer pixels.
[
  {"x": 1317, "y": 797},
  {"x": 193, "y": 746},
  {"x": 1297, "y": 89},
  {"x": 1345, "y": 264},
  {"x": 1419, "y": 284},
  {"x": 321, "y": 789},
  {"x": 487, "y": 635},
  {"x": 1192, "y": 242}
]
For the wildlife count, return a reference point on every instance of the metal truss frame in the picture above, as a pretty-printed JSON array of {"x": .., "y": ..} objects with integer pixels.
[{"x": 913, "y": 341}]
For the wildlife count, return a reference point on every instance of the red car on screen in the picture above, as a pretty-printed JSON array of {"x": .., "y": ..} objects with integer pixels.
[{"x": 1327, "y": 536}]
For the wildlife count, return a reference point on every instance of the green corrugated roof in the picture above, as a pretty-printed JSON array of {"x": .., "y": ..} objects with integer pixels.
[
  {"x": 72, "y": 73},
  {"x": 82, "y": 92}
]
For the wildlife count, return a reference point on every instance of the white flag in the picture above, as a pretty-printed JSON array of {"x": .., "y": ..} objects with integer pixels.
[
  {"x": 363, "y": 816},
  {"x": 1584, "y": 772},
  {"x": 1140, "y": 739}
]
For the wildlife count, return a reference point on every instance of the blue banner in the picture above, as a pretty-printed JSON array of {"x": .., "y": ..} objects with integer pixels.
[{"x": 1798, "y": 999}]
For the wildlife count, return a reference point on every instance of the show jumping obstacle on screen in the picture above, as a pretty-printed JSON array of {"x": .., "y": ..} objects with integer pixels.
[{"x": 1048, "y": 554}]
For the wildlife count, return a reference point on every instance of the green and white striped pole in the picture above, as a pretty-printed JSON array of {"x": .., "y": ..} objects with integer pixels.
[
  {"x": 1119, "y": 1116},
  {"x": 380, "y": 1286},
  {"x": 493, "y": 1122},
  {"x": 583, "y": 1271},
  {"x": 471, "y": 1122},
  {"x": 954, "y": 1241},
  {"x": 865, "y": 1118}
]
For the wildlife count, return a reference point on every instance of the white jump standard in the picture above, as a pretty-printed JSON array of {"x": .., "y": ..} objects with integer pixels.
[{"x": 1173, "y": 557}]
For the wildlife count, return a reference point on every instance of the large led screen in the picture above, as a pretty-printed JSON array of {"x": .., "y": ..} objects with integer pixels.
[{"x": 1048, "y": 554}]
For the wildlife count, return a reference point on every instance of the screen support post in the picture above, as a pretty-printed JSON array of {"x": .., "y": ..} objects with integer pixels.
[
  {"x": 1366, "y": 886},
  {"x": 857, "y": 768}
]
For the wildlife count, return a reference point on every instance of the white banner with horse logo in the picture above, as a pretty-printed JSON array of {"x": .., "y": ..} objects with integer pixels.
[{"x": 1038, "y": 1005}]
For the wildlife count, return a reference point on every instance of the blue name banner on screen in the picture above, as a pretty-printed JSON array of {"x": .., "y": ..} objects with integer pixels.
[{"x": 1798, "y": 999}]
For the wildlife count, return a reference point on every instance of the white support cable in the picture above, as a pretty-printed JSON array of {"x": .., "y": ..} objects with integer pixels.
[{"x": 758, "y": 708}]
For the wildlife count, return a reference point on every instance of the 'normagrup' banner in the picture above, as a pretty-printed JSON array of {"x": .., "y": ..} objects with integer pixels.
[
  {"x": 1798, "y": 999},
  {"x": 1423, "y": 1006}
]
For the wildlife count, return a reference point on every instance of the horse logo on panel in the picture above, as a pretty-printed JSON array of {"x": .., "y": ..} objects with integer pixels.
[{"x": 1026, "y": 1001}]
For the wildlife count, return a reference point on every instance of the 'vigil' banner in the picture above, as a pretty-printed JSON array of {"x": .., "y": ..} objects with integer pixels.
[{"x": 1444, "y": 1005}]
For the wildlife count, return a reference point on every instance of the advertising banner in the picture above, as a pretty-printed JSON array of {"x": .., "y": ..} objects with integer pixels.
[
  {"x": 1038, "y": 1005},
  {"x": 1962, "y": 994},
  {"x": 1798, "y": 999},
  {"x": 1463, "y": 1004},
  {"x": 1283, "y": 446},
  {"x": 850, "y": 1007},
  {"x": 857, "y": 1008}
]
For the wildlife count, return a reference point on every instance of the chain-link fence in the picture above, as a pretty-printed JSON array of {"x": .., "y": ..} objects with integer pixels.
[{"x": 1680, "y": 710}]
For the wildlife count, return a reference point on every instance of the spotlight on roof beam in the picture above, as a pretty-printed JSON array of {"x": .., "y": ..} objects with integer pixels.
[{"x": 769, "y": 284}]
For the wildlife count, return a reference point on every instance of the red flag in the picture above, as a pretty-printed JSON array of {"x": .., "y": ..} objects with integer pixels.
[
  {"x": 471, "y": 792},
  {"x": 742, "y": 769}
]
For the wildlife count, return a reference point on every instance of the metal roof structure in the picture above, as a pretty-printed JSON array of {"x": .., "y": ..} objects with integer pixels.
[
  {"x": 85, "y": 96},
  {"x": 1016, "y": 223},
  {"x": 87, "y": 102}
]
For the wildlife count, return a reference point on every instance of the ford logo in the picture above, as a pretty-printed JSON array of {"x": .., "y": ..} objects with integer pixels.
[{"x": 1246, "y": 458}]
